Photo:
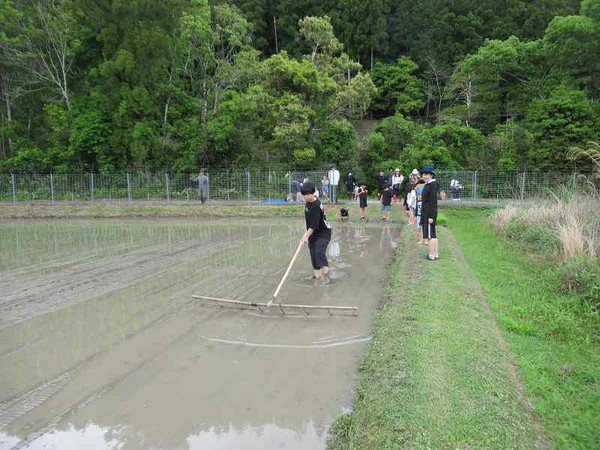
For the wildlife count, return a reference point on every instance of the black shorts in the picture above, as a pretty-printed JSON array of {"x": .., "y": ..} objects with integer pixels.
[
  {"x": 363, "y": 201},
  {"x": 318, "y": 248},
  {"x": 428, "y": 228}
]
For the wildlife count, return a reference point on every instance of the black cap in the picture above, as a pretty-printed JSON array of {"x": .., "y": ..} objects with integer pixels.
[{"x": 307, "y": 188}]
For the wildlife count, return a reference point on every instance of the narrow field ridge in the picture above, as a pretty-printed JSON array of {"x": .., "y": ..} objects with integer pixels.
[{"x": 438, "y": 373}]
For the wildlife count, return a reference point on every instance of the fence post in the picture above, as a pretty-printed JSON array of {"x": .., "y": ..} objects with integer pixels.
[
  {"x": 575, "y": 182},
  {"x": 474, "y": 184},
  {"x": 207, "y": 187},
  {"x": 523, "y": 187},
  {"x": 248, "y": 179},
  {"x": 52, "y": 187},
  {"x": 14, "y": 187},
  {"x": 92, "y": 186},
  {"x": 167, "y": 185},
  {"x": 129, "y": 187}
]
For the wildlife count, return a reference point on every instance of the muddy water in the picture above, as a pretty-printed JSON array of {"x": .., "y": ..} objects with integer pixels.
[{"x": 102, "y": 346}]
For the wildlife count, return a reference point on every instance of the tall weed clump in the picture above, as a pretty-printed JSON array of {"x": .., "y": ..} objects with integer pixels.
[{"x": 565, "y": 227}]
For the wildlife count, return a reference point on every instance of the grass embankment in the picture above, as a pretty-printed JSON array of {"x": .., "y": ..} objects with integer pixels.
[
  {"x": 124, "y": 210},
  {"x": 437, "y": 373},
  {"x": 441, "y": 373},
  {"x": 552, "y": 333}
]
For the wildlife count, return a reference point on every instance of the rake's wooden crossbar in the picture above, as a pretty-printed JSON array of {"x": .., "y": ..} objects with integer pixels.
[{"x": 280, "y": 305}]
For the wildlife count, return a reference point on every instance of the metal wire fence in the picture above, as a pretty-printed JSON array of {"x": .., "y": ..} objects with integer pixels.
[{"x": 260, "y": 186}]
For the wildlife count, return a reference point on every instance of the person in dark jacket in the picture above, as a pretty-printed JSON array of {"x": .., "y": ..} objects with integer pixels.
[
  {"x": 350, "y": 182},
  {"x": 381, "y": 184},
  {"x": 430, "y": 211}
]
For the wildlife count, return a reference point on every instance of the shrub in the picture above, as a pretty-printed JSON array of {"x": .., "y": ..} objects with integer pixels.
[{"x": 540, "y": 239}]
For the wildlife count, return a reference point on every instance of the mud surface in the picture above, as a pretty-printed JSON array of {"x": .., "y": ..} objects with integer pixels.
[{"x": 102, "y": 346}]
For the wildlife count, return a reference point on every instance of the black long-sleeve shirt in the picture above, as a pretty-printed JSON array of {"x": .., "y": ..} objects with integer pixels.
[{"x": 430, "y": 200}]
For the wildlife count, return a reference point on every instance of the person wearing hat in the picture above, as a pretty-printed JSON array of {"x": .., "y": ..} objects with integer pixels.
[
  {"x": 429, "y": 211},
  {"x": 318, "y": 231}
]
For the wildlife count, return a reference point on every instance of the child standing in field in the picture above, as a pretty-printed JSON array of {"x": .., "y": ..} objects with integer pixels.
[
  {"x": 386, "y": 203},
  {"x": 325, "y": 187},
  {"x": 411, "y": 203},
  {"x": 318, "y": 231},
  {"x": 362, "y": 198},
  {"x": 419, "y": 208}
]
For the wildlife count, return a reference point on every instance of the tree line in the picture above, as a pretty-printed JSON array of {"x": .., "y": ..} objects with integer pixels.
[{"x": 110, "y": 85}]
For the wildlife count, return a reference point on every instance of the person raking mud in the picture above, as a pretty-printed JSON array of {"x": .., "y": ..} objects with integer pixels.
[{"x": 318, "y": 231}]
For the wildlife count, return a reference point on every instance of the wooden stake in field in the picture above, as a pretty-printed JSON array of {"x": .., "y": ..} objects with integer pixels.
[{"x": 270, "y": 303}]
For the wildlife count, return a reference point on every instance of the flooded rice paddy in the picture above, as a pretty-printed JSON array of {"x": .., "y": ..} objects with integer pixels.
[{"x": 102, "y": 346}]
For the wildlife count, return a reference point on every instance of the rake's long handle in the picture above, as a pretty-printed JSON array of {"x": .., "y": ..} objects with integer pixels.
[{"x": 285, "y": 275}]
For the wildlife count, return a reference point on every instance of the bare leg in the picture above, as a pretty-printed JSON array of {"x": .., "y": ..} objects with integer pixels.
[{"x": 431, "y": 244}]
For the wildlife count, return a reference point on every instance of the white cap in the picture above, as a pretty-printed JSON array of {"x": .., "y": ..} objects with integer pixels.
[{"x": 414, "y": 172}]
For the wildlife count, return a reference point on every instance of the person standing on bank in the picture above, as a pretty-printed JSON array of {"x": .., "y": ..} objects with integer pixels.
[
  {"x": 397, "y": 179},
  {"x": 363, "y": 193},
  {"x": 318, "y": 231},
  {"x": 386, "y": 203},
  {"x": 381, "y": 183},
  {"x": 334, "y": 180},
  {"x": 325, "y": 187},
  {"x": 350, "y": 182},
  {"x": 202, "y": 180},
  {"x": 429, "y": 211}
]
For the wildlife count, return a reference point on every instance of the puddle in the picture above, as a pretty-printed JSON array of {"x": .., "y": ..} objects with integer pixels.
[{"x": 102, "y": 346}]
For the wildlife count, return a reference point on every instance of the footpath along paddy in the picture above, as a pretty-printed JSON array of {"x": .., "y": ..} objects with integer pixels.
[{"x": 102, "y": 346}]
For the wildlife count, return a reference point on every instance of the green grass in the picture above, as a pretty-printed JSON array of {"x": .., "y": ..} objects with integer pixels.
[
  {"x": 437, "y": 374},
  {"x": 553, "y": 335}
]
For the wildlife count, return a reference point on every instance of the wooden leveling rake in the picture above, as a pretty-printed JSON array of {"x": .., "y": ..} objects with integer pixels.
[{"x": 271, "y": 303}]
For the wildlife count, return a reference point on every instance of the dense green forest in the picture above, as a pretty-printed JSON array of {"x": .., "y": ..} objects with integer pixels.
[{"x": 112, "y": 85}]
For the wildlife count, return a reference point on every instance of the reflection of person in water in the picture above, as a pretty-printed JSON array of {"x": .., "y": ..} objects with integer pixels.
[
  {"x": 334, "y": 249},
  {"x": 387, "y": 235},
  {"x": 361, "y": 234}
]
